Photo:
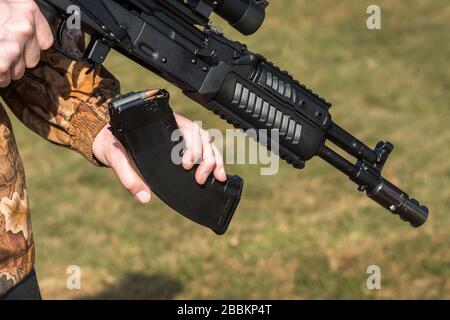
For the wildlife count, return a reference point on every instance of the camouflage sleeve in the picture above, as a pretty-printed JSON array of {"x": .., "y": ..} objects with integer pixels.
[{"x": 59, "y": 101}]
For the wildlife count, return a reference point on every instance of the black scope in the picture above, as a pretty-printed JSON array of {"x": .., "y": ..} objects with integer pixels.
[{"x": 246, "y": 16}]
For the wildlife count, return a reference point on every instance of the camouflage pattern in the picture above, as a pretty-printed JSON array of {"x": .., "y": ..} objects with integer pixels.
[{"x": 60, "y": 102}]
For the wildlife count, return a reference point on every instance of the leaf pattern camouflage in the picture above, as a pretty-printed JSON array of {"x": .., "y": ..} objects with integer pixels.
[{"x": 61, "y": 103}]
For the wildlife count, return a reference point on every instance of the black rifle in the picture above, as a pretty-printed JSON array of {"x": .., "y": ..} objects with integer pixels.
[{"x": 175, "y": 40}]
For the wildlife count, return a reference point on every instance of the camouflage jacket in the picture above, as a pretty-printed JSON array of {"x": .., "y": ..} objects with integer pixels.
[{"x": 59, "y": 102}]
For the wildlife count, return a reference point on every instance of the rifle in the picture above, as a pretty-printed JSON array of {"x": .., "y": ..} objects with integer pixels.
[{"x": 175, "y": 40}]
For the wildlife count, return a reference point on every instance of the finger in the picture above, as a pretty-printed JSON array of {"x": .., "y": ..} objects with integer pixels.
[
  {"x": 194, "y": 148},
  {"x": 5, "y": 79},
  {"x": 32, "y": 52},
  {"x": 8, "y": 54},
  {"x": 128, "y": 176},
  {"x": 18, "y": 69},
  {"x": 219, "y": 170},
  {"x": 208, "y": 163},
  {"x": 43, "y": 32}
]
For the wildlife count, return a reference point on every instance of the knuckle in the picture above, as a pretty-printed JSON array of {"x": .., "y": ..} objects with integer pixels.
[
  {"x": 130, "y": 184},
  {"x": 25, "y": 30},
  {"x": 31, "y": 8},
  {"x": 12, "y": 51},
  {"x": 34, "y": 7},
  {"x": 4, "y": 69}
]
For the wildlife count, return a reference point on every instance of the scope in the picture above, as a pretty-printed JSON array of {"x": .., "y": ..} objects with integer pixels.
[{"x": 246, "y": 16}]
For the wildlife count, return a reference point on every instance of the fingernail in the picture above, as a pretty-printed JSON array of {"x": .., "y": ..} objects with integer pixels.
[
  {"x": 223, "y": 173},
  {"x": 205, "y": 177},
  {"x": 143, "y": 196}
]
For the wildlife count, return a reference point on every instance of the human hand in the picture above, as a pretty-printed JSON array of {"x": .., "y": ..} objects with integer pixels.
[
  {"x": 199, "y": 149},
  {"x": 24, "y": 32}
]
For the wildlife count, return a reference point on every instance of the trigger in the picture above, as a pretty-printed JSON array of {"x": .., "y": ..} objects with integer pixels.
[{"x": 60, "y": 32}]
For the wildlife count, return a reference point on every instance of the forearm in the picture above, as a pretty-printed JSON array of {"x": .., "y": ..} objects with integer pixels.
[{"x": 59, "y": 101}]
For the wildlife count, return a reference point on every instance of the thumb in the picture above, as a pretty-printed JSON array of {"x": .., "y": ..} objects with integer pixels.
[{"x": 118, "y": 161}]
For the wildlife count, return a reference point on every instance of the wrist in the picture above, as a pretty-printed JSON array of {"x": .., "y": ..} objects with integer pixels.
[{"x": 100, "y": 146}]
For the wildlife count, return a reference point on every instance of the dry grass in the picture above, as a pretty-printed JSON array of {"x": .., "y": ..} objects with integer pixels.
[{"x": 300, "y": 234}]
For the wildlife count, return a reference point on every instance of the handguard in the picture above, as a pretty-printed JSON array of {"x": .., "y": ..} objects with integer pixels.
[{"x": 144, "y": 122}]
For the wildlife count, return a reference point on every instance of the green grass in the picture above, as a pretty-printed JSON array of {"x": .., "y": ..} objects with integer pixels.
[{"x": 300, "y": 234}]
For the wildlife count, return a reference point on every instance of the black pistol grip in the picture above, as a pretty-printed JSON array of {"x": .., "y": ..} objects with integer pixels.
[{"x": 145, "y": 127}]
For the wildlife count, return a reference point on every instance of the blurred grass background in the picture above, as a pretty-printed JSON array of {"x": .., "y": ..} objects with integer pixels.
[{"x": 299, "y": 234}]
